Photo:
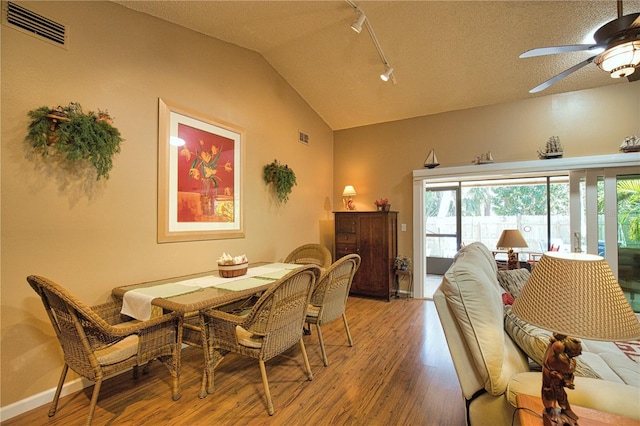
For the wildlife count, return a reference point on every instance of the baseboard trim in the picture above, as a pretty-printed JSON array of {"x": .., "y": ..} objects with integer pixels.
[
  {"x": 45, "y": 397},
  {"x": 42, "y": 398}
]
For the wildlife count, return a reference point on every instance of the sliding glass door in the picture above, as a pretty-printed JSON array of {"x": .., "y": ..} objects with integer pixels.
[
  {"x": 442, "y": 226},
  {"x": 606, "y": 221}
]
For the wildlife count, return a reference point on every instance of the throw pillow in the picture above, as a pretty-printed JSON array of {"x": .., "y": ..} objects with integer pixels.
[
  {"x": 507, "y": 299},
  {"x": 534, "y": 341},
  {"x": 513, "y": 280}
]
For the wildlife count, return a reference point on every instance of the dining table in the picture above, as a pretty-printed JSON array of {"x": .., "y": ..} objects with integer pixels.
[{"x": 187, "y": 295}]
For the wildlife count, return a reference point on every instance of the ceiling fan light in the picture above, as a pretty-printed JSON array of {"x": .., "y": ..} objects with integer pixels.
[
  {"x": 620, "y": 60},
  {"x": 624, "y": 71}
]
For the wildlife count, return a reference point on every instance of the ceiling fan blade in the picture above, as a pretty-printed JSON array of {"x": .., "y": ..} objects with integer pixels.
[
  {"x": 562, "y": 75},
  {"x": 636, "y": 23},
  {"x": 540, "y": 51},
  {"x": 635, "y": 76}
]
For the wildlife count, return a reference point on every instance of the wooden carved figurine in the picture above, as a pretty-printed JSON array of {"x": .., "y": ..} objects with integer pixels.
[{"x": 557, "y": 374}]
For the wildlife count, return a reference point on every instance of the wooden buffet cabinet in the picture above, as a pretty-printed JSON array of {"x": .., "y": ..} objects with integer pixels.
[{"x": 374, "y": 236}]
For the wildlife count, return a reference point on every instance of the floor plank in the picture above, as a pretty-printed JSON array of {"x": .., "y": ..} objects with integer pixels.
[{"x": 398, "y": 372}]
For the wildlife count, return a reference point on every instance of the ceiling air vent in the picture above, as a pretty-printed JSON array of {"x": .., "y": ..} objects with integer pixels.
[{"x": 36, "y": 24}]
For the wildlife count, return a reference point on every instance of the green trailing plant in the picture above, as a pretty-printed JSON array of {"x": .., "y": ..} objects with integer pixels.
[
  {"x": 75, "y": 135},
  {"x": 282, "y": 177}
]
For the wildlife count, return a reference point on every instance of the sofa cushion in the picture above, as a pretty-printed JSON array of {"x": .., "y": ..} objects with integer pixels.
[
  {"x": 513, "y": 280},
  {"x": 617, "y": 366},
  {"x": 474, "y": 296},
  {"x": 534, "y": 341}
]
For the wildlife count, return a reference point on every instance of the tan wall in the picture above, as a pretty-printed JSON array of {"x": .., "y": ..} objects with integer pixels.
[
  {"x": 379, "y": 160},
  {"x": 92, "y": 236}
]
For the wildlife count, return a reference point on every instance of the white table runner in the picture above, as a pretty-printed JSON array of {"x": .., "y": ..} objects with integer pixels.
[{"x": 137, "y": 303}]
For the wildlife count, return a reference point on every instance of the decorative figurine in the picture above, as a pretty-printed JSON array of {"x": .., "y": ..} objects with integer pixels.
[
  {"x": 553, "y": 149},
  {"x": 484, "y": 158},
  {"x": 630, "y": 144},
  {"x": 557, "y": 374}
]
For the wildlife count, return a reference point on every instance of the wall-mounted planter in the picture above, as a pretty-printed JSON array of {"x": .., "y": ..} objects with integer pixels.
[
  {"x": 282, "y": 177},
  {"x": 75, "y": 135}
]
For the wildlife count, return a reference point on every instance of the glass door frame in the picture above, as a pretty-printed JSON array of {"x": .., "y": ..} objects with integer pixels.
[
  {"x": 495, "y": 170},
  {"x": 441, "y": 264},
  {"x": 590, "y": 210}
]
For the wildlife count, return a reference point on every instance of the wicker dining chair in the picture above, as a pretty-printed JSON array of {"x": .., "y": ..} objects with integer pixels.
[
  {"x": 310, "y": 254},
  {"x": 273, "y": 325},
  {"x": 329, "y": 299},
  {"x": 98, "y": 341}
]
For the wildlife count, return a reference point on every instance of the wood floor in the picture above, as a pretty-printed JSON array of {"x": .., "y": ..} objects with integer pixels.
[{"x": 399, "y": 372}]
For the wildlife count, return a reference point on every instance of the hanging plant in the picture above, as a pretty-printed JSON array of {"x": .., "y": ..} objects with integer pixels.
[
  {"x": 282, "y": 177},
  {"x": 76, "y": 135}
]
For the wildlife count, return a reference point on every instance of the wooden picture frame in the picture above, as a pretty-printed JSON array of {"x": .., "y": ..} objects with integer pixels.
[{"x": 200, "y": 182}]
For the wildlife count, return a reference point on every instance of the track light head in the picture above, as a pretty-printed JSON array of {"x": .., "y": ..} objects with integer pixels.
[
  {"x": 357, "y": 24},
  {"x": 387, "y": 73}
]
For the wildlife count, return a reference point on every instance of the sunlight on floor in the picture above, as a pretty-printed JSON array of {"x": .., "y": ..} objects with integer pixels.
[{"x": 431, "y": 284}]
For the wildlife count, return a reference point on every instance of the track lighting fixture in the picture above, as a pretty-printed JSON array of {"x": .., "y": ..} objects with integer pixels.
[
  {"x": 387, "y": 73},
  {"x": 357, "y": 24},
  {"x": 357, "y": 27}
]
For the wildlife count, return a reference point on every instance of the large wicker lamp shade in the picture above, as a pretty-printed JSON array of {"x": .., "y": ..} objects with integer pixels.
[{"x": 577, "y": 295}]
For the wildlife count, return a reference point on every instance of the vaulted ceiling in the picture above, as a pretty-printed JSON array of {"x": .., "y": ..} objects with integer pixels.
[{"x": 446, "y": 55}]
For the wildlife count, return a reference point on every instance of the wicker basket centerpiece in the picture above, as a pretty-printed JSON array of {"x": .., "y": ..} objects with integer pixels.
[{"x": 230, "y": 267}]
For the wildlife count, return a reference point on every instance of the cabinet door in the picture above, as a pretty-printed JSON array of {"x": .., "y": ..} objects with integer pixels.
[
  {"x": 373, "y": 275},
  {"x": 346, "y": 223}
]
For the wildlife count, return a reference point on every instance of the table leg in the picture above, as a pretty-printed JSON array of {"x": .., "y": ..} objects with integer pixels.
[{"x": 212, "y": 360}]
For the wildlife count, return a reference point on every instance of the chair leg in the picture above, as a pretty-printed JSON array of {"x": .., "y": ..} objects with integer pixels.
[
  {"x": 324, "y": 352},
  {"x": 306, "y": 360},
  {"x": 265, "y": 383},
  {"x": 307, "y": 330},
  {"x": 94, "y": 400},
  {"x": 346, "y": 327},
  {"x": 54, "y": 403}
]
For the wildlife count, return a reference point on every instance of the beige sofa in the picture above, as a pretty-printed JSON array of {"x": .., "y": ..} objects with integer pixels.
[{"x": 492, "y": 368}]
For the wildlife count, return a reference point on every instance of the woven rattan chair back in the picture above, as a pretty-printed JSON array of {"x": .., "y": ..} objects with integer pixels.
[
  {"x": 310, "y": 254},
  {"x": 329, "y": 299},
  {"x": 91, "y": 335},
  {"x": 273, "y": 325}
]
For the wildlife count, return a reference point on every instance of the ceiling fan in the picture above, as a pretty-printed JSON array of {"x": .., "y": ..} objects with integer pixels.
[{"x": 619, "y": 42}]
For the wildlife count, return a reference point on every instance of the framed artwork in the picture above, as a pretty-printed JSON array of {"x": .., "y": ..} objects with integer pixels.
[{"x": 200, "y": 160}]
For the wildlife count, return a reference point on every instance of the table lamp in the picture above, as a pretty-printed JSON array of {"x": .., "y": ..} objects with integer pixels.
[
  {"x": 349, "y": 191},
  {"x": 575, "y": 295},
  {"x": 510, "y": 239}
]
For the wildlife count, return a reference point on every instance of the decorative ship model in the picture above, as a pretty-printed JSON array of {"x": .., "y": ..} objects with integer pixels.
[
  {"x": 630, "y": 144},
  {"x": 553, "y": 149},
  {"x": 431, "y": 161},
  {"x": 484, "y": 158}
]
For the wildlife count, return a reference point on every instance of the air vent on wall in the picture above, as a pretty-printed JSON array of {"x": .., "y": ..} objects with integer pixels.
[
  {"x": 303, "y": 137},
  {"x": 35, "y": 24}
]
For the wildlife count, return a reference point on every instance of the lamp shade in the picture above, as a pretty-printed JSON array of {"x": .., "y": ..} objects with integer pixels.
[
  {"x": 511, "y": 238},
  {"x": 349, "y": 191},
  {"x": 576, "y": 294}
]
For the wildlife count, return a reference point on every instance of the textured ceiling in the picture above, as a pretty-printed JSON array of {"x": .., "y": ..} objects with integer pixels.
[{"x": 447, "y": 55}]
